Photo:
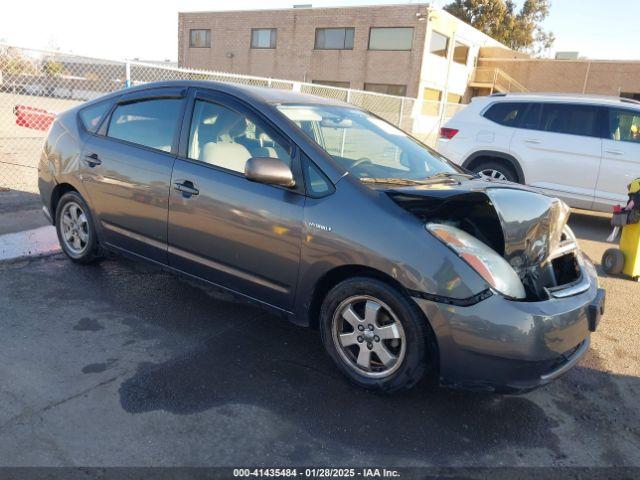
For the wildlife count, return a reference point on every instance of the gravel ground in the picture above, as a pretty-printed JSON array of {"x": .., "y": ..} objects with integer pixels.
[{"x": 121, "y": 364}]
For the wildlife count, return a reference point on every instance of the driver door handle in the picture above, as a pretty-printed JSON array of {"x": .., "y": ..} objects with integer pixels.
[
  {"x": 186, "y": 187},
  {"x": 92, "y": 159}
]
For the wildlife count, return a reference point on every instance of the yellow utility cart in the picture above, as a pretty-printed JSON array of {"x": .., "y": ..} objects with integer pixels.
[{"x": 626, "y": 259}]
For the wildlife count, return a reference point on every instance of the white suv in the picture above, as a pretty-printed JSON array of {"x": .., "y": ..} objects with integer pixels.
[{"x": 583, "y": 149}]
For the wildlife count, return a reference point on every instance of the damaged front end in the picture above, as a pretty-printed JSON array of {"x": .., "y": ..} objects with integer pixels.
[{"x": 526, "y": 229}]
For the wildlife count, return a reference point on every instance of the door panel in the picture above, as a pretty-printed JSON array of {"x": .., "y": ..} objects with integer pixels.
[
  {"x": 236, "y": 233},
  {"x": 222, "y": 227},
  {"x": 560, "y": 163},
  {"x": 620, "y": 158},
  {"x": 127, "y": 168},
  {"x": 129, "y": 191}
]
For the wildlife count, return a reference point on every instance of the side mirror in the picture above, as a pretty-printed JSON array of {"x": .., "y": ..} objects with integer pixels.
[{"x": 272, "y": 171}]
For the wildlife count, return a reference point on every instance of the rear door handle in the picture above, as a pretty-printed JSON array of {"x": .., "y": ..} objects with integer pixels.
[
  {"x": 533, "y": 141},
  {"x": 186, "y": 187},
  {"x": 615, "y": 152},
  {"x": 92, "y": 159}
]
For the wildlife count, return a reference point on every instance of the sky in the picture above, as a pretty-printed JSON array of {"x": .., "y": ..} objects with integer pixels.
[{"x": 147, "y": 29}]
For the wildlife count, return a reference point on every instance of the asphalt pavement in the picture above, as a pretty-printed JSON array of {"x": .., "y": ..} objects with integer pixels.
[{"x": 122, "y": 364}]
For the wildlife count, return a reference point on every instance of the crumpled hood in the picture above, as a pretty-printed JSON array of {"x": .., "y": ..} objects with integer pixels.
[{"x": 531, "y": 224}]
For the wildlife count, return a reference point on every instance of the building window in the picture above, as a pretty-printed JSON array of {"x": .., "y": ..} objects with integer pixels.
[
  {"x": 200, "y": 38},
  {"x": 331, "y": 83},
  {"x": 431, "y": 101},
  {"x": 454, "y": 98},
  {"x": 460, "y": 53},
  {"x": 632, "y": 96},
  {"x": 439, "y": 44},
  {"x": 334, "y": 38},
  {"x": 263, "y": 37},
  {"x": 388, "y": 89},
  {"x": 390, "y": 38}
]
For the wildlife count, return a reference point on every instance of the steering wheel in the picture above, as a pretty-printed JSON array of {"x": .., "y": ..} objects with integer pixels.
[{"x": 360, "y": 162}]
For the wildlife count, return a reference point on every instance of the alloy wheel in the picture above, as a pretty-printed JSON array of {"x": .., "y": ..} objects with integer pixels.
[
  {"x": 492, "y": 174},
  {"x": 74, "y": 228},
  {"x": 368, "y": 336}
]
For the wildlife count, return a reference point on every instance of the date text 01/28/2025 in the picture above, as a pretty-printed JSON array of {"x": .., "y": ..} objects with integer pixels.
[{"x": 316, "y": 472}]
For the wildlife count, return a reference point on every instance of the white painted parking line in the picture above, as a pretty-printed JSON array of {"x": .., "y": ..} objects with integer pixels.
[{"x": 30, "y": 243}]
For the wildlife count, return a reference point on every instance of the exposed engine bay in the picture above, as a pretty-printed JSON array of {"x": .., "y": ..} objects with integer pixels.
[{"x": 526, "y": 228}]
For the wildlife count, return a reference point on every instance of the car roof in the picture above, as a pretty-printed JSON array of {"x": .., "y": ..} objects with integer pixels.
[
  {"x": 563, "y": 97},
  {"x": 246, "y": 92}
]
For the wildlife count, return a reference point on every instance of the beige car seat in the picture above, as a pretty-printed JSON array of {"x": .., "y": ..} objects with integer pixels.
[
  {"x": 224, "y": 151},
  {"x": 232, "y": 156}
]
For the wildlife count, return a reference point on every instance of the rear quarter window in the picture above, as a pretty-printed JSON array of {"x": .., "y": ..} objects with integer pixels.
[
  {"x": 91, "y": 116},
  {"x": 505, "y": 113},
  {"x": 624, "y": 125}
]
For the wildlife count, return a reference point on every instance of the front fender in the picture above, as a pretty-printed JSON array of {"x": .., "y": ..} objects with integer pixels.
[{"x": 375, "y": 233}]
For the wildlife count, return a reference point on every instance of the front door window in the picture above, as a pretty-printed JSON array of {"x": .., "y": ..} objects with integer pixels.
[{"x": 225, "y": 138}]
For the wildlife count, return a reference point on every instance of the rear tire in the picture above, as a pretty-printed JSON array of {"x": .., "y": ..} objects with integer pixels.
[
  {"x": 496, "y": 170},
  {"x": 376, "y": 335},
  {"x": 613, "y": 261},
  {"x": 76, "y": 230}
]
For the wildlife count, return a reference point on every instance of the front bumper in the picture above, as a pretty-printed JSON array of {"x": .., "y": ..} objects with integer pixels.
[{"x": 509, "y": 346}]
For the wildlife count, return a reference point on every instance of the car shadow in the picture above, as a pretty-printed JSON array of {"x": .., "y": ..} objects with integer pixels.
[
  {"x": 284, "y": 370},
  {"x": 19, "y": 211},
  {"x": 268, "y": 363},
  {"x": 593, "y": 226},
  {"x": 238, "y": 364}
]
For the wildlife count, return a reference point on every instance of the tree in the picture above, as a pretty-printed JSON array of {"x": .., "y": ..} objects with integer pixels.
[
  {"x": 51, "y": 68},
  {"x": 520, "y": 30},
  {"x": 12, "y": 62}
]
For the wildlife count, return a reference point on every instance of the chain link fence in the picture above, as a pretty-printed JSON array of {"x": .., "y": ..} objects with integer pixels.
[{"x": 35, "y": 85}]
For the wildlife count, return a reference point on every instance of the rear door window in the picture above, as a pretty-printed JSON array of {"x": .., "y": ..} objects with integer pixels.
[
  {"x": 570, "y": 119},
  {"x": 151, "y": 123},
  {"x": 506, "y": 113},
  {"x": 531, "y": 118}
]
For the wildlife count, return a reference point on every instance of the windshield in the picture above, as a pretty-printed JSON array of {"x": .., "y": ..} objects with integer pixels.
[{"x": 367, "y": 146}]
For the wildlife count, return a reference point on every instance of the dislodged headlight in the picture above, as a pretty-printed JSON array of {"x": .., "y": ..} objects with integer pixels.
[{"x": 492, "y": 267}]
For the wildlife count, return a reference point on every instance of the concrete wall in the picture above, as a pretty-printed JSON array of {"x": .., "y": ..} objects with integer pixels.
[
  {"x": 295, "y": 57},
  {"x": 442, "y": 73},
  {"x": 600, "y": 77}
]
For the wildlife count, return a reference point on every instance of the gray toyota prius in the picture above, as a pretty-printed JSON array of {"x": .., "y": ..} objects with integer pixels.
[{"x": 332, "y": 217}]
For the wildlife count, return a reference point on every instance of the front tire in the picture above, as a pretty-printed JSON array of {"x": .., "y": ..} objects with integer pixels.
[
  {"x": 76, "y": 230},
  {"x": 495, "y": 171},
  {"x": 376, "y": 335}
]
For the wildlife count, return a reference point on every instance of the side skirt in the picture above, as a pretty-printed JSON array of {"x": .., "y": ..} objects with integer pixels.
[{"x": 238, "y": 296}]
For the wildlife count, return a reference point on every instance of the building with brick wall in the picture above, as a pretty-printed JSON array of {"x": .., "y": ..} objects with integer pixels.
[
  {"x": 598, "y": 77},
  {"x": 409, "y": 50}
]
